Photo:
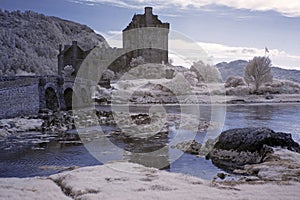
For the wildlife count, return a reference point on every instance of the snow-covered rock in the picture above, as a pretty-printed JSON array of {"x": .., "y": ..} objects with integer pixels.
[{"x": 281, "y": 165}]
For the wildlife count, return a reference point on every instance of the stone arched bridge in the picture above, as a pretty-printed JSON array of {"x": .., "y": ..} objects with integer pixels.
[
  {"x": 25, "y": 95},
  {"x": 56, "y": 92}
]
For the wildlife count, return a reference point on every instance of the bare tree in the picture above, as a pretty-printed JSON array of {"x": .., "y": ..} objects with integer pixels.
[{"x": 258, "y": 71}]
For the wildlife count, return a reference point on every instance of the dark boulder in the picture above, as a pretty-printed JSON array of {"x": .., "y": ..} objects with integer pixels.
[{"x": 238, "y": 147}]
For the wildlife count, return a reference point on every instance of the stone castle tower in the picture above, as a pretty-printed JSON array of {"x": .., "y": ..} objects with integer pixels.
[{"x": 147, "y": 36}]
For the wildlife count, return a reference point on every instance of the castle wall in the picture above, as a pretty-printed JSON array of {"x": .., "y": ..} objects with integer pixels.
[
  {"x": 19, "y": 96},
  {"x": 150, "y": 43}
]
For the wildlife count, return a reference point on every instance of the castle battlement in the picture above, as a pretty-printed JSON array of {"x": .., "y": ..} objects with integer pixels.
[{"x": 146, "y": 20}]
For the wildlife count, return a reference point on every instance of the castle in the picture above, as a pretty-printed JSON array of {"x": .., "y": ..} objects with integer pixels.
[{"x": 145, "y": 36}]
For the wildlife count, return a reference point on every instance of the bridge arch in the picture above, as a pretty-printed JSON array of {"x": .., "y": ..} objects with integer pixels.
[
  {"x": 51, "y": 98},
  {"x": 68, "y": 97}
]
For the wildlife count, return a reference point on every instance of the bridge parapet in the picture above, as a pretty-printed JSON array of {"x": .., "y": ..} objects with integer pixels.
[{"x": 17, "y": 81}]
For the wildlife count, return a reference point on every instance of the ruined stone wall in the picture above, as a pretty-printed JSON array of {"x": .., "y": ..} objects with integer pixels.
[{"x": 18, "y": 96}]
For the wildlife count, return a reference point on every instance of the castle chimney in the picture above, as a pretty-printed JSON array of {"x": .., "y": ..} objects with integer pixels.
[
  {"x": 148, "y": 10},
  {"x": 148, "y": 14}
]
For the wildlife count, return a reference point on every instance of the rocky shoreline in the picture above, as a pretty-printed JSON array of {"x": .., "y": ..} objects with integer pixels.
[
  {"x": 250, "y": 154},
  {"x": 254, "y": 158},
  {"x": 59, "y": 122}
]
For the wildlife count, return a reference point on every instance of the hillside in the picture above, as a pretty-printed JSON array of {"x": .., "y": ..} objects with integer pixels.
[
  {"x": 236, "y": 68},
  {"x": 29, "y": 41}
]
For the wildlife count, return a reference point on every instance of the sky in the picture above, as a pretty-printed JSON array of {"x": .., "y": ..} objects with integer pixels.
[{"x": 226, "y": 30}]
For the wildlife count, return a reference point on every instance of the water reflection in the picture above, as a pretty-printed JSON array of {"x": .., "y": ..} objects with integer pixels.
[
  {"x": 53, "y": 158},
  {"x": 151, "y": 151}
]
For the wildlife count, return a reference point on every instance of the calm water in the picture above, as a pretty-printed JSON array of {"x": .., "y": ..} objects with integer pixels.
[
  {"x": 21, "y": 157},
  {"x": 279, "y": 117}
]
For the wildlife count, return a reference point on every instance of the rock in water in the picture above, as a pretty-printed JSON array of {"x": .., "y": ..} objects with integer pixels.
[
  {"x": 192, "y": 147},
  {"x": 238, "y": 147}
]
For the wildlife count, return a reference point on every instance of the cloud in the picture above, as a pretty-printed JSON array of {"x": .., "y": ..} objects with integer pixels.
[
  {"x": 289, "y": 8},
  {"x": 114, "y": 32},
  {"x": 184, "y": 51},
  {"x": 118, "y": 3},
  {"x": 221, "y": 53}
]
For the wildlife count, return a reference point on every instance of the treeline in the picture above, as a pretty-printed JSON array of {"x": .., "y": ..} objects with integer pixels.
[{"x": 29, "y": 41}]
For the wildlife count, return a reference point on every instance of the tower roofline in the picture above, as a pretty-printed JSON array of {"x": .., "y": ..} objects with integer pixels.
[{"x": 148, "y": 19}]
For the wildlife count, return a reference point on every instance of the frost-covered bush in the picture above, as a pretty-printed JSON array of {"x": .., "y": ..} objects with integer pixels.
[
  {"x": 68, "y": 70},
  {"x": 234, "y": 81},
  {"x": 137, "y": 61},
  {"x": 191, "y": 77},
  {"x": 238, "y": 91},
  {"x": 266, "y": 90},
  {"x": 281, "y": 87},
  {"x": 205, "y": 72},
  {"x": 276, "y": 87},
  {"x": 179, "y": 85}
]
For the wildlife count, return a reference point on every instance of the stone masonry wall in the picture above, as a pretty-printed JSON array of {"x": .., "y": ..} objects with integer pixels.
[{"x": 19, "y": 97}]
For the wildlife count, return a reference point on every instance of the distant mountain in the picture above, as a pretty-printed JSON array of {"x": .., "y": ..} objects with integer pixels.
[
  {"x": 284, "y": 74},
  {"x": 29, "y": 41},
  {"x": 236, "y": 68}
]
